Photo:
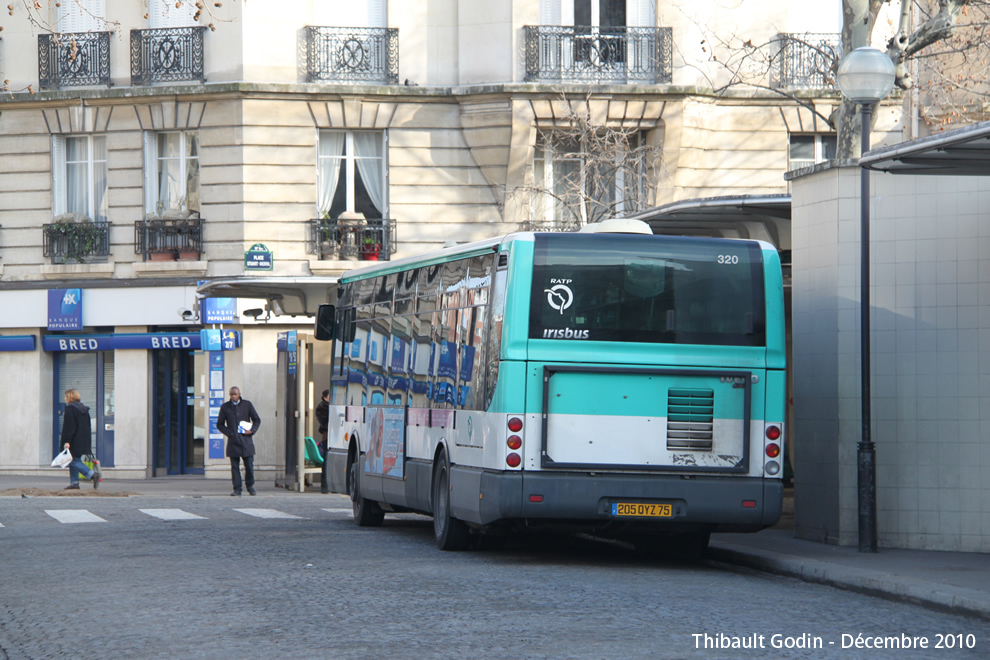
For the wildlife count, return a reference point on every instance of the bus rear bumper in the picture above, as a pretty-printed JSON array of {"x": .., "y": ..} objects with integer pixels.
[{"x": 723, "y": 504}]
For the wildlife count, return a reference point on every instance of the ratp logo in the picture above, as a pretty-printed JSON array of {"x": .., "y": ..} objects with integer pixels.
[{"x": 559, "y": 297}]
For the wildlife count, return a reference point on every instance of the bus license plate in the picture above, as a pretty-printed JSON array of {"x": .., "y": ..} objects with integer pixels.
[{"x": 640, "y": 510}]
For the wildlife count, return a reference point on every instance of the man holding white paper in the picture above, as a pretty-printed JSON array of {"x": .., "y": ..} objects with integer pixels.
[{"x": 239, "y": 421}]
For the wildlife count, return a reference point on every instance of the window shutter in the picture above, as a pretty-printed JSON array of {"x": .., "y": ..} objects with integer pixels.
[
  {"x": 376, "y": 14},
  {"x": 150, "y": 171},
  {"x": 639, "y": 13},
  {"x": 353, "y": 13},
  {"x": 58, "y": 174},
  {"x": 164, "y": 14},
  {"x": 550, "y": 12},
  {"x": 566, "y": 12},
  {"x": 82, "y": 16}
]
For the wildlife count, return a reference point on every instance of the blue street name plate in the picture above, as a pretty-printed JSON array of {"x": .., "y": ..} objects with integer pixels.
[{"x": 258, "y": 257}]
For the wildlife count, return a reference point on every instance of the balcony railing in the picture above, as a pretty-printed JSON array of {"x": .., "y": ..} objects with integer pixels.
[
  {"x": 166, "y": 55},
  {"x": 73, "y": 58},
  {"x": 343, "y": 54},
  {"x": 598, "y": 54},
  {"x": 159, "y": 239},
  {"x": 805, "y": 61},
  {"x": 80, "y": 242},
  {"x": 370, "y": 240}
]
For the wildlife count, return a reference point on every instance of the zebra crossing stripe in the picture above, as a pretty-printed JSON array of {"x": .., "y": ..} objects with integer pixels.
[
  {"x": 340, "y": 512},
  {"x": 73, "y": 516},
  {"x": 266, "y": 513},
  {"x": 171, "y": 514}
]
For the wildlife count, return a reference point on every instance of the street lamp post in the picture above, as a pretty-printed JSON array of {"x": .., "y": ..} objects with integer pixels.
[{"x": 865, "y": 76}]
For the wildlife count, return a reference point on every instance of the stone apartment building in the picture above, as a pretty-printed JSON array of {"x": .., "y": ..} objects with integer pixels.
[{"x": 149, "y": 150}]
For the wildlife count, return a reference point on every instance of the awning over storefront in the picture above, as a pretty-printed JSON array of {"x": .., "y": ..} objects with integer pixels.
[
  {"x": 291, "y": 296},
  {"x": 964, "y": 151}
]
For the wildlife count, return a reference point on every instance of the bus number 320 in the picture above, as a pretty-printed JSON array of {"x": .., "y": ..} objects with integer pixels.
[{"x": 728, "y": 259}]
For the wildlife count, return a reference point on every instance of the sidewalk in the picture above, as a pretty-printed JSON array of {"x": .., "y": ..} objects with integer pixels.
[{"x": 957, "y": 582}]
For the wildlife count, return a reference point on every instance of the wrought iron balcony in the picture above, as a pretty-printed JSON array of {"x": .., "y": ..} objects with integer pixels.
[
  {"x": 81, "y": 242},
  {"x": 73, "y": 58},
  {"x": 369, "y": 240},
  {"x": 598, "y": 54},
  {"x": 343, "y": 54},
  {"x": 158, "y": 239},
  {"x": 806, "y": 61},
  {"x": 167, "y": 54}
]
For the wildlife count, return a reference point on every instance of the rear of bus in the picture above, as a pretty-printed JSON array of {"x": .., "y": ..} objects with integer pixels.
[{"x": 643, "y": 379}]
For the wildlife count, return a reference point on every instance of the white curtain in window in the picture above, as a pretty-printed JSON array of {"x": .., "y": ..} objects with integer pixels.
[
  {"x": 330, "y": 158},
  {"x": 100, "y": 209},
  {"x": 368, "y": 148},
  {"x": 58, "y": 175},
  {"x": 192, "y": 171},
  {"x": 169, "y": 176},
  {"x": 76, "y": 157}
]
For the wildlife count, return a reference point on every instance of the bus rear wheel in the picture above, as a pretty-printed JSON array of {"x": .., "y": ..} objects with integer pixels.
[
  {"x": 450, "y": 533},
  {"x": 366, "y": 512}
]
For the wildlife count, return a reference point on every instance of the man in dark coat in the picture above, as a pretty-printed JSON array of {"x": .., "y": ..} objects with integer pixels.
[
  {"x": 77, "y": 438},
  {"x": 239, "y": 421},
  {"x": 323, "y": 419}
]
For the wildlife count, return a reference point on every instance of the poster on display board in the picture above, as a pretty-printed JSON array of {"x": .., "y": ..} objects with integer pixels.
[{"x": 217, "y": 449}]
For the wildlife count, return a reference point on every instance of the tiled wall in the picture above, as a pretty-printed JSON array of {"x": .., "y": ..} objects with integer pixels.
[{"x": 931, "y": 382}]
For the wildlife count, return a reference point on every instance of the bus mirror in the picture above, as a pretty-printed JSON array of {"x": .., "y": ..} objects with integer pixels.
[{"x": 324, "y": 322}]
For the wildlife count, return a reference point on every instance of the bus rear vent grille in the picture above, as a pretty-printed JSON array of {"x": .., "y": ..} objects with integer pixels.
[{"x": 690, "y": 415}]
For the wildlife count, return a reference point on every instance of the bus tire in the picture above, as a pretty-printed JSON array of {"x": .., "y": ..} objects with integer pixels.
[
  {"x": 366, "y": 512},
  {"x": 449, "y": 532}
]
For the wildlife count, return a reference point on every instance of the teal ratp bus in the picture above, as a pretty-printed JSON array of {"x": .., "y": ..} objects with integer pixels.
[{"x": 627, "y": 385}]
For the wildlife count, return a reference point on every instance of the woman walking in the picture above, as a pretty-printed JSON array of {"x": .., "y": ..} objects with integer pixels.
[{"x": 77, "y": 438}]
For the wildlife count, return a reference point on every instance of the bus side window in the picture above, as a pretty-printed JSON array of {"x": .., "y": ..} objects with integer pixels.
[
  {"x": 405, "y": 293},
  {"x": 340, "y": 358},
  {"x": 471, "y": 344},
  {"x": 357, "y": 379},
  {"x": 453, "y": 288},
  {"x": 399, "y": 355},
  {"x": 427, "y": 288},
  {"x": 445, "y": 348},
  {"x": 421, "y": 372}
]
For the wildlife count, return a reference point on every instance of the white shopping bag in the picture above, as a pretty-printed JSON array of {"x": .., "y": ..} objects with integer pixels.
[{"x": 63, "y": 459}]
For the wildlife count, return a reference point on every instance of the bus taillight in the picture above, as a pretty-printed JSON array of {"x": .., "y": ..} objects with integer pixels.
[
  {"x": 773, "y": 432},
  {"x": 515, "y": 424},
  {"x": 514, "y": 442},
  {"x": 773, "y": 450},
  {"x": 513, "y": 460}
]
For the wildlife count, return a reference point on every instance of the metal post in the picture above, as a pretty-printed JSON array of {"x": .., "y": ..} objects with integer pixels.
[{"x": 866, "y": 450}]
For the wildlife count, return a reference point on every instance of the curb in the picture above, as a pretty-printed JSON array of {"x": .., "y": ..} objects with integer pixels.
[{"x": 955, "y": 600}]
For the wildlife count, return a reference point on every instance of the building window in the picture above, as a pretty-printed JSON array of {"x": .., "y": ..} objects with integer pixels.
[
  {"x": 81, "y": 16},
  {"x": 171, "y": 172},
  {"x": 170, "y": 15},
  {"x": 354, "y": 13},
  {"x": 598, "y": 13},
  {"x": 352, "y": 174},
  {"x": 806, "y": 150},
  {"x": 79, "y": 168},
  {"x": 587, "y": 178}
]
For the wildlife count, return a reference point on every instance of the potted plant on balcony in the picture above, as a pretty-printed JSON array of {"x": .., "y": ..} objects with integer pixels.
[
  {"x": 371, "y": 248},
  {"x": 73, "y": 237}
]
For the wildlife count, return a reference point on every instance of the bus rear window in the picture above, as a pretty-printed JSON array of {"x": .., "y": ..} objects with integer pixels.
[{"x": 652, "y": 289}]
